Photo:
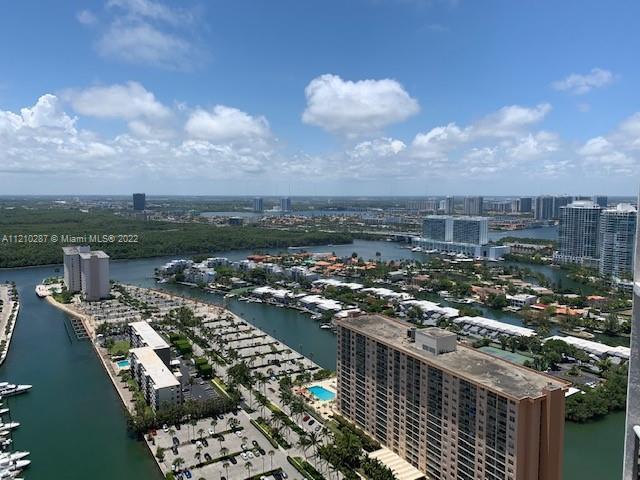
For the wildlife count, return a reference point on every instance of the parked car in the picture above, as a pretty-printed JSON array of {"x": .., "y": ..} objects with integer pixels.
[
  {"x": 233, "y": 460},
  {"x": 207, "y": 457},
  {"x": 305, "y": 418},
  {"x": 244, "y": 456},
  {"x": 311, "y": 422},
  {"x": 255, "y": 444},
  {"x": 187, "y": 473},
  {"x": 211, "y": 432}
]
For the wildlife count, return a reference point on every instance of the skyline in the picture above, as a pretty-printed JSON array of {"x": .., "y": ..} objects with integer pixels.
[{"x": 421, "y": 99}]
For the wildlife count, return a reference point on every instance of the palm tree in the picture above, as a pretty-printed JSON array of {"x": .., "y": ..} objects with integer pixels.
[
  {"x": 171, "y": 432},
  {"x": 271, "y": 453},
  {"x": 214, "y": 423},
  {"x": 225, "y": 465},
  {"x": 200, "y": 432},
  {"x": 224, "y": 451},
  {"x": 248, "y": 466},
  {"x": 178, "y": 462}
]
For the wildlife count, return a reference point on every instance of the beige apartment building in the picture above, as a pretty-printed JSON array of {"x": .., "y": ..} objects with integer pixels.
[{"x": 453, "y": 412}]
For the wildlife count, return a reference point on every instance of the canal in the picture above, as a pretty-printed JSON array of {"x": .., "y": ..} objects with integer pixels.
[{"x": 73, "y": 423}]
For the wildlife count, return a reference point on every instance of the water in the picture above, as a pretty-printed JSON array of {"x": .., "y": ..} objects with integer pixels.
[
  {"x": 72, "y": 421},
  {"x": 321, "y": 393},
  {"x": 542, "y": 233}
]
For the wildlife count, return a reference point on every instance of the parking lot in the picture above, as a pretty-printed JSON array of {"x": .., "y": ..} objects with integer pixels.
[{"x": 202, "y": 443}]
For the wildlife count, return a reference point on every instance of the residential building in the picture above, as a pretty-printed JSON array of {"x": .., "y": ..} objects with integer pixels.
[
  {"x": 601, "y": 200},
  {"x": 258, "y": 205},
  {"x": 139, "y": 201},
  {"x": 521, "y": 300},
  {"x": 578, "y": 233},
  {"x": 632, "y": 432},
  {"x": 617, "y": 240},
  {"x": 71, "y": 260},
  {"x": 473, "y": 205},
  {"x": 449, "y": 205},
  {"x": 525, "y": 204},
  {"x": 141, "y": 334},
  {"x": 558, "y": 203},
  {"x": 285, "y": 204},
  {"x": 471, "y": 230},
  {"x": 451, "y": 411},
  {"x": 437, "y": 227},
  {"x": 158, "y": 384},
  {"x": 94, "y": 275},
  {"x": 543, "y": 208}
]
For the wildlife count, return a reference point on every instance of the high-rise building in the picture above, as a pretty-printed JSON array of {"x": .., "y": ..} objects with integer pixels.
[
  {"x": 601, "y": 200},
  {"x": 473, "y": 205},
  {"x": 617, "y": 240},
  {"x": 451, "y": 411},
  {"x": 449, "y": 205},
  {"x": 441, "y": 228},
  {"x": 579, "y": 233},
  {"x": 139, "y": 201},
  {"x": 94, "y": 275},
  {"x": 543, "y": 208},
  {"x": 285, "y": 204},
  {"x": 258, "y": 205},
  {"x": 525, "y": 204},
  {"x": 72, "y": 268},
  {"x": 632, "y": 431},
  {"x": 558, "y": 203}
]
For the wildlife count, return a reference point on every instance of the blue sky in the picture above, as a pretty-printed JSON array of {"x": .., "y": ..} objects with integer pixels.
[{"x": 421, "y": 97}]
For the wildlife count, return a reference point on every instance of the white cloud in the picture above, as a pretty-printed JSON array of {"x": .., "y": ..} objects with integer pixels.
[
  {"x": 355, "y": 108},
  {"x": 578, "y": 84},
  {"x": 152, "y": 10},
  {"x": 226, "y": 124},
  {"x": 128, "y": 101},
  {"x": 510, "y": 120},
  {"x": 43, "y": 139},
  {"x": 142, "y": 43},
  {"x": 86, "y": 17},
  {"x": 439, "y": 140}
]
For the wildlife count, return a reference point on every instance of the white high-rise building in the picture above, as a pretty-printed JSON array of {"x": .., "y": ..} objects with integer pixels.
[
  {"x": 71, "y": 261},
  {"x": 579, "y": 233},
  {"x": 258, "y": 204},
  {"x": 473, "y": 205},
  {"x": 632, "y": 434},
  {"x": 94, "y": 275},
  {"x": 617, "y": 240}
]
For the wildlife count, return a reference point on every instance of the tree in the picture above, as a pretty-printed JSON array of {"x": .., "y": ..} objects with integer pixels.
[
  {"x": 178, "y": 462},
  {"x": 225, "y": 465},
  {"x": 271, "y": 453},
  {"x": 248, "y": 466}
]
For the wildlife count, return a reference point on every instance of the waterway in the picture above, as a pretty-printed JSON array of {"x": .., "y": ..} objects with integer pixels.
[{"x": 73, "y": 423}]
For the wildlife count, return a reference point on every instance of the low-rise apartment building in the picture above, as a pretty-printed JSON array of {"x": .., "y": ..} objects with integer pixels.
[{"x": 156, "y": 381}]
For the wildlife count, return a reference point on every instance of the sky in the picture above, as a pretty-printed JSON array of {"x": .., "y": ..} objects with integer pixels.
[{"x": 302, "y": 97}]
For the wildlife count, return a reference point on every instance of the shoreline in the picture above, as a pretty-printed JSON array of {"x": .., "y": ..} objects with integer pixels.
[{"x": 15, "y": 308}]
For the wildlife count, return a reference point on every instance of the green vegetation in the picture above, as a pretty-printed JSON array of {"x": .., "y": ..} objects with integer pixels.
[
  {"x": 153, "y": 238},
  {"x": 305, "y": 468},
  {"x": 609, "y": 396},
  {"x": 181, "y": 343},
  {"x": 117, "y": 348}
]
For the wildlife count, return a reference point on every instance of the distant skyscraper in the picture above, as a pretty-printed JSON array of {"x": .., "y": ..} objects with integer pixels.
[
  {"x": 579, "y": 233},
  {"x": 449, "y": 205},
  {"x": 632, "y": 434},
  {"x": 525, "y": 204},
  {"x": 617, "y": 240},
  {"x": 558, "y": 203},
  {"x": 258, "y": 205},
  {"x": 451, "y": 411},
  {"x": 544, "y": 208},
  {"x": 473, "y": 205},
  {"x": 601, "y": 200},
  {"x": 285, "y": 204},
  {"x": 139, "y": 201}
]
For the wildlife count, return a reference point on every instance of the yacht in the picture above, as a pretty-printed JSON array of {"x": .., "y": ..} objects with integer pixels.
[
  {"x": 326, "y": 326},
  {"x": 4, "y": 411},
  {"x": 12, "y": 389},
  {"x": 13, "y": 457},
  {"x": 8, "y": 426}
]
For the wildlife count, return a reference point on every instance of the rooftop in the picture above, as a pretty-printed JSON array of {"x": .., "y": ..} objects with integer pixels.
[
  {"x": 150, "y": 337},
  {"x": 94, "y": 254},
  {"x": 493, "y": 373},
  {"x": 155, "y": 368}
]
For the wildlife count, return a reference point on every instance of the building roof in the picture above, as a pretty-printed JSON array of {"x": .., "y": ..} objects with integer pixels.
[
  {"x": 94, "y": 254},
  {"x": 154, "y": 367},
  {"x": 493, "y": 373},
  {"x": 149, "y": 336},
  {"x": 402, "y": 469}
]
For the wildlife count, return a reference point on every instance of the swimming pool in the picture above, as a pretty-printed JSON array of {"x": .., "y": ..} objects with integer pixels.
[
  {"x": 321, "y": 393},
  {"x": 123, "y": 363}
]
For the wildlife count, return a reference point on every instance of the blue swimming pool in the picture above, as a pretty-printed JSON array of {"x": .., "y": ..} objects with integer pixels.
[
  {"x": 123, "y": 363},
  {"x": 321, "y": 393}
]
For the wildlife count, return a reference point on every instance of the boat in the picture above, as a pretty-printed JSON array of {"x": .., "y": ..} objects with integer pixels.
[
  {"x": 11, "y": 389},
  {"x": 9, "y": 426},
  {"x": 326, "y": 326},
  {"x": 14, "y": 456},
  {"x": 3, "y": 411},
  {"x": 416, "y": 249}
]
